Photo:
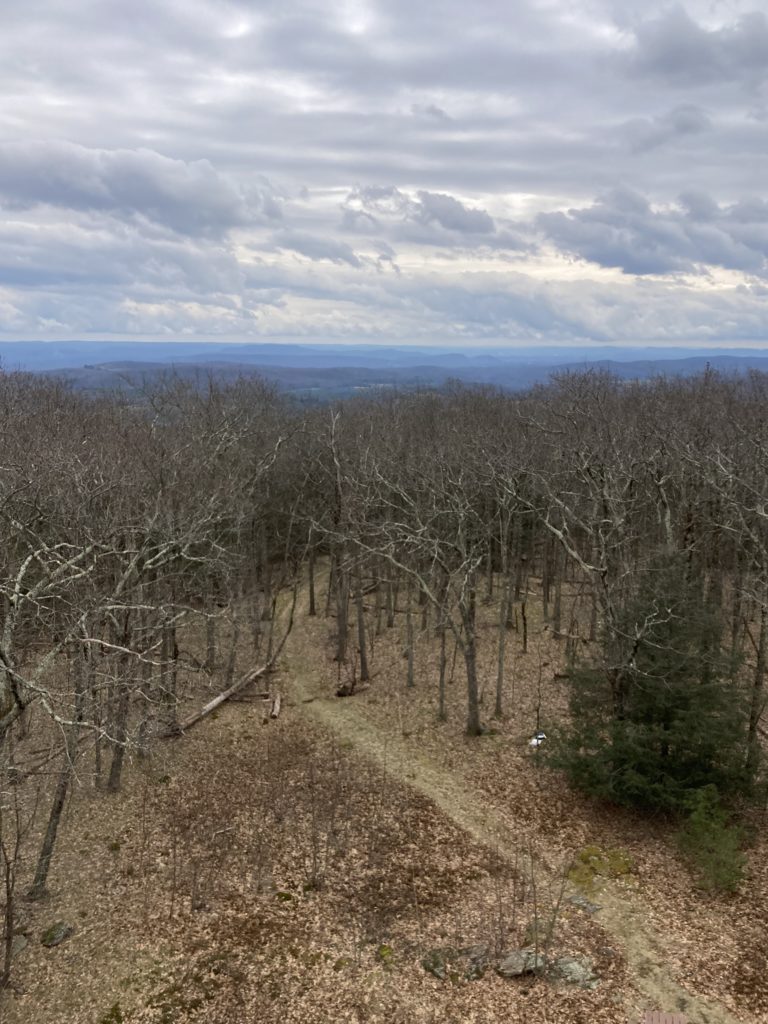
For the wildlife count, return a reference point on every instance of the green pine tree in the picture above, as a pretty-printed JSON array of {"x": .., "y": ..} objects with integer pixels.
[
  {"x": 658, "y": 718},
  {"x": 711, "y": 843}
]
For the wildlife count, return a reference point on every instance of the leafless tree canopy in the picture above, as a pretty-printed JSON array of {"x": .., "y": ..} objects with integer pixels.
[{"x": 129, "y": 527}]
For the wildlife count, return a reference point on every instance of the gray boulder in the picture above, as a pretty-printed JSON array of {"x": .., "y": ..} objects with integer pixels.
[
  {"x": 476, "y": 964},
  {"x": 580, "y": 900},
  {"x": 519, "y": 962},
  {"x": 575, "y": 972},
  {"x": 435, "y": 963}
]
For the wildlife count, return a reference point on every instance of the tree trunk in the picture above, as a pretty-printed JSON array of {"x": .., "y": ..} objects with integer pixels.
[
  {"x": 97, "y": 715},
  {"x": 361, "y": 639},
  {"x": 145, "y": 691},
  {"x": 546, "y": 579},
  {"x": 342, "y": 614},
  {"x": 232, "y": 659},
  {"x": 505, "y": 588},
  {"x": 473, "y": 694},
  {"x": 266, "y": 576},
  {"x": 736, "y": 617},
  {"x": 442, "y": 712},
  {"x": 331, "y": 586},
  {"x": 210, "y": 643},
  {"x": 379, "y": 605},
  {"x": 120, "y": 725},
  {"x": 120, "y": 736},
  {"x": 312, "y": 608},
  {"x": 559, "y": 571},
  {"x": 10, "y": 858},
  {"x": 391, "y": 600},
  {"x": 757, "y": 700},
  {"x": 254, "y": 618},
  {"x": 9, "y": 922},
  {"x": 168, "y": 694},
  {"x": 62, "y": 785},
  {"x": 424, "y": 604},
  {"x": 467, "y": 609},
  {"x": 521, "y": 568},
  {"x": 411, "y": 680},
  {"x": 489, "y": 568},
  {"x": 593, "y": 617},
  {"x": 504, "y": 602}
]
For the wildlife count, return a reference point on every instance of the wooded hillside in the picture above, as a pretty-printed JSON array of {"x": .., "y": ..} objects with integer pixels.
[{"x": 157, "y": 554}]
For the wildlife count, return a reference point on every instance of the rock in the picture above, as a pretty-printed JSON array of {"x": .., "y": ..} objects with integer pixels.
[
  {"x": 477, "y": 961},
  {"x": 448, "y": 964},
  {"x": 519, "y": 962},
  {"x": 575, "y": 972},
  {"x": 56, "y": 934},
  {"x": 581, "y": 901},
  {"x": 19, "y": 944},
  {"x": 434, "y": 963},
  {"x": 474, "y": 951}
]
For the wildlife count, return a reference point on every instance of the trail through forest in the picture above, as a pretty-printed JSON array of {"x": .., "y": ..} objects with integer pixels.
[{"x": 621, "y": 912}]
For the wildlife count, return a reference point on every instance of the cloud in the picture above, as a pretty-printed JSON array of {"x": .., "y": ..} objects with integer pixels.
[
  {"x": 449, "y": 213},
  {"x": 315, "y": 248},
  {"x": 681, "y": 51},
  {"x": 430, "y": 110},
  {"x": 672, "y": 127},
  {"x": 428, "y": 219},
  {"x": 374, "y": 170},
  {"x": 621, "y": 229},
  {"x": 190, "y": 198}
]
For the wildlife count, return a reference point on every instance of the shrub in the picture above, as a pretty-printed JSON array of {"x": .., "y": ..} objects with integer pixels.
[{"x": 711, "y": 844}]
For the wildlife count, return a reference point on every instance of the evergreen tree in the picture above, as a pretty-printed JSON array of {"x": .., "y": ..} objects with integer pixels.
[
  {"x": 658, "y": 717},
  {"x": 712, "y": 844}
]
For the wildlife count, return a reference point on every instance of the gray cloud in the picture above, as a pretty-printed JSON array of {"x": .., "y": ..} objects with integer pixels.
[
  {"x": 449, "y": 213},
  {"x": 188, "y": 197},
  {"x": 430, "y": 110},
  {"x": 427, "y": 218},
  {"x": 622, "y": 230},
  {"x": 383, "y": 169},
  {"x": 316, "y": 248},
  {"x": 682, "y": 51},
  {"x": 674, "y": 126}
]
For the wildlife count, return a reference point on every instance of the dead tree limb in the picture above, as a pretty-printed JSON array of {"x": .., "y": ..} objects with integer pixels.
[{"x": 241, "y": 683}]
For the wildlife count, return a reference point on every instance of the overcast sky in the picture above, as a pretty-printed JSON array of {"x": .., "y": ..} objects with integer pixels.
[{"x": 505, "y": 171}]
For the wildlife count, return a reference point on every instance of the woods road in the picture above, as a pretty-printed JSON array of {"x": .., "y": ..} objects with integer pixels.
[{"x": 621, "y": 912}]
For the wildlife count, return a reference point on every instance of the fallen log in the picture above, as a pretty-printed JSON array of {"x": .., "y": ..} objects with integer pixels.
[
  {"x": 244, "y": 681},
  {"x": 276, "y": 705},
  {"x": 217, "y": 701}
]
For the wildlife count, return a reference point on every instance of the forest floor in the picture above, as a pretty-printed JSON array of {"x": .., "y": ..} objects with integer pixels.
[
  {"x": 683, "y": 950},
  {"x": 302, "y": 870}
]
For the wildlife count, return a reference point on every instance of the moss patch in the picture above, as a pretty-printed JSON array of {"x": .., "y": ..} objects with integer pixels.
[{"x": 593, "y": 862}]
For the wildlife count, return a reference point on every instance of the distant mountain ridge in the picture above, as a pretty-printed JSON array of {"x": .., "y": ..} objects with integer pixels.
[{"x": 325, "y": 371}]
